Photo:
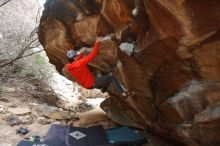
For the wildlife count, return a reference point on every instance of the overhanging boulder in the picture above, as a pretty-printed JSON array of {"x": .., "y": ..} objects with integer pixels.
[{"x": 176, "y": 49}]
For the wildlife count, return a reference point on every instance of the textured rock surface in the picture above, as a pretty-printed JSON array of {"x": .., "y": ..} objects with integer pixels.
[{"x": 174, "y": 67}]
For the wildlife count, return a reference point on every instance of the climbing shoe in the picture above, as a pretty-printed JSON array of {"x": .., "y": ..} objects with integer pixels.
[
  {"x": 104, "y": 89},
  {"x": 128, "y": 93}
]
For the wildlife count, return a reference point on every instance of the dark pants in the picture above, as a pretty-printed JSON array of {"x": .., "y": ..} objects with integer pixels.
[{"x": 104, "y": 81}]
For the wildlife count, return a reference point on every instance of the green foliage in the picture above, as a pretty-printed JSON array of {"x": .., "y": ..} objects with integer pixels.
[
  {"x": 40, "y": 60},
  {"x": 26, "y": 73},
  {"x": 3, "y": 88}
]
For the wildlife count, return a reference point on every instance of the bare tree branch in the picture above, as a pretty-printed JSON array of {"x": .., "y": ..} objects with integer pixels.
[
  {"x": 29, "y": 43},
  {"x": 37, "y": 19},
  {"x": 4, "y": 3},
  {"x": 10, "y": 62},
  {"x": 32, "y": 53},
  {"x": 19, "y": 57}
]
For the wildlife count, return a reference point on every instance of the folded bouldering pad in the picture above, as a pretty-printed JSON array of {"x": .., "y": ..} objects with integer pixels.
[
  {"x": 91, "y": 136},
  {"x": 57, "y": 135},
  {"x": 124, "y": 136},
  {"x": 32, "y": 143}
]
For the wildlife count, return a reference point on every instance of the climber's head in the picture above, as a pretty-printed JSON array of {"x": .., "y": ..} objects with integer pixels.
[{"x": 71, "y": 55}]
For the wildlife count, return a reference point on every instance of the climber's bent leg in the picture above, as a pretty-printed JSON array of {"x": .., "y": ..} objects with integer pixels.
[{"x": 104, "y": 81}]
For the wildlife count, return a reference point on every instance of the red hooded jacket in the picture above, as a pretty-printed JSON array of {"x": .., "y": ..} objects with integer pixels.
[{"x": 79, "y": 70}]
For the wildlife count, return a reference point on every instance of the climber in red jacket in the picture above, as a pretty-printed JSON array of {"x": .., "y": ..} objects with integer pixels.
[{"x": 77, "y": 67}]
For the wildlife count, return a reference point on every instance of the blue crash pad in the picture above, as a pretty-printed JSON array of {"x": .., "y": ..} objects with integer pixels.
[
  {"x": 31, "y": 143},
  {"x": 125, "y": 136},
  {"x": 91, "y": 136}
]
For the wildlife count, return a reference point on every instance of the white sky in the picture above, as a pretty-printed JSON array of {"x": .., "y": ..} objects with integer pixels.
[{"x": 41, "y": 2}]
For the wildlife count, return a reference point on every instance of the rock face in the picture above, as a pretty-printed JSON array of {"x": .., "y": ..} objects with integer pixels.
[{"x": 174, "y": 67}]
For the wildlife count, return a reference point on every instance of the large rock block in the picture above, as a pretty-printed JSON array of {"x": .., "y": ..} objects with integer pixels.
[
  {"x": 55, "y": 48},
  {"x": 188, "y": 21},
  {"x": 133, "y": 76},
  {"x": 203, "y": 131},
  {"x": 175, "y": 43},
  {"x": 162, "y": 19},
  {"x": 119, "y": 111},
  {"x": 186, "y": 103},
  {"x": 117, "y": 12},
  {"x": 166, "y": 77},
  {"x": 87, "y": 30},
  {"x": 207, "y": 57},
  {"x": 107, "y": 57}
]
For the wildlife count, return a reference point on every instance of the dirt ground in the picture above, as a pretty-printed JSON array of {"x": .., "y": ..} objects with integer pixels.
[{"x": 19, "y": 92}]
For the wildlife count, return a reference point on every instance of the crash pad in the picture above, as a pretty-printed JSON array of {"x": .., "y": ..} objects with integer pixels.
[{"x": 125, "y": 136}]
